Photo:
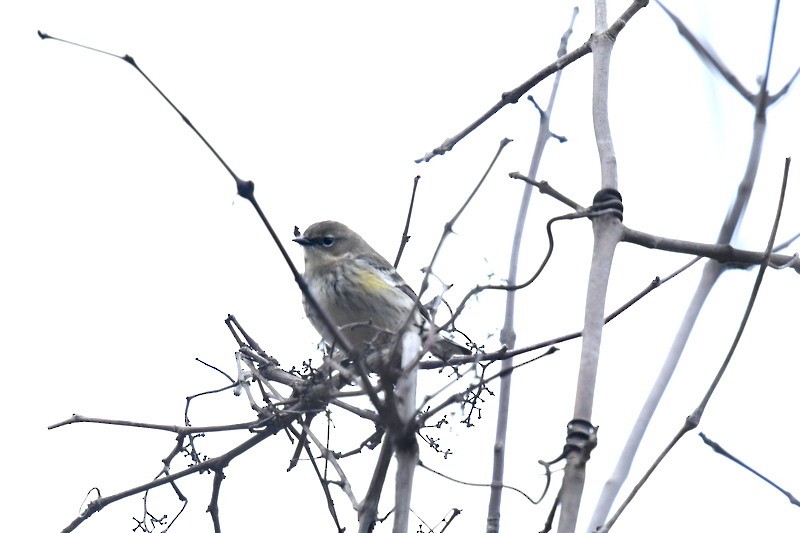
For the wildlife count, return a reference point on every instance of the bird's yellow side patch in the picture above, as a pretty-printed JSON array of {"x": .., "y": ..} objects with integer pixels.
[{"x": 373, "y": 282}]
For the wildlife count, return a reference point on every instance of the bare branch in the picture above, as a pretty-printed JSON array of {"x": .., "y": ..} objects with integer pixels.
[
  {"x": 213, "y": 506},
  {"x": 180, "y": 430},
  {"x": 720, "y": 450},
  {"x": 368, "y": 509},
  {"x": 513, "y": 96},
  {"x": 405, "y": 238},
  {"x": 693, "y": 420},
  {"x": 724, "y": 253},
  {"x": 473, "y": 484},
  {"x": 331, "y": 458},
  {"x": 708, "y": 55},
  {"x": 508, "y": 334},
  {"x": 210, "y": 464}
]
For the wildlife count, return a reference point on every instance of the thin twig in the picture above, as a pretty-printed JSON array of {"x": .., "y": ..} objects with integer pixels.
[
  {"x": 723, "y": 253},
  {"x": 245, "y": 189},
  {"x": 708, "y": 55},
  {"x": 405, "y": 238},
  {"x": 505, "y": 354},
  {"x": 473, "y": 484},
  {"x": 720, "y": 450},
  {"x": 448, "y": 229},
  {"x": 210, "y": 464},
  {"x": 507, "y": 287},
  {"x": 322, "y": 481},
  {"x": 545, "y": 188},
  {"x": 180, "y": 430},
  {"x": 513, "y": 96}
]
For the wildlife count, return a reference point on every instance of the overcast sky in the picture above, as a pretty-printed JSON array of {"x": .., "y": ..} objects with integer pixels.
[{"x": 125, "y": 246}]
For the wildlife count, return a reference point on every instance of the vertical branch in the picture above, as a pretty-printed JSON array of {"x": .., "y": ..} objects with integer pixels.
[
  {"x": 213, "y": 506},
  {"x": 368, "y": 509},
  {"x": 711, "y": 273},
  {"x": 601, "y": 54},
  {"x": 693, "y": 420},
  {"x": 404, "y": 436},
  {"x": 607, "y": 229},
  {"x": 507, "y": 334}
]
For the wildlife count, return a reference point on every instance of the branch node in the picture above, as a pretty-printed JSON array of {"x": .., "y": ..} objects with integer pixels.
[
  {"x": 581, "y": 438},
  {"x": 245, "y": 188},
  {"x": 608, "y": 199}
]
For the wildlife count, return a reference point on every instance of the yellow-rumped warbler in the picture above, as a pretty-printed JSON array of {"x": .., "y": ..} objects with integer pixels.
[{"x": 361, "y": 291}]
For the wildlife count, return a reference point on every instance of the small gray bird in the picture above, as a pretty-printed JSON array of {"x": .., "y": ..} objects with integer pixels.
[{"x": 361, "y": 291}]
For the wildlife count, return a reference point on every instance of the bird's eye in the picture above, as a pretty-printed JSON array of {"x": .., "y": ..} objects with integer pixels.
[{"x": 328, "y": 241}]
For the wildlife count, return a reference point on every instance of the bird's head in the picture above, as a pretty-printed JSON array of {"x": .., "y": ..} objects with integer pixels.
[{"x": 329, "y": 240}]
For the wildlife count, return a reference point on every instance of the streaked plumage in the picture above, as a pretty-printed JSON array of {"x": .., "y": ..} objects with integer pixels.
[{"x": 363, "y": 294}]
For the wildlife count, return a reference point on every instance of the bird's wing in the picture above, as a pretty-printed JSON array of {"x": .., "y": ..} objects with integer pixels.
[{"x": 387, "y": 274}]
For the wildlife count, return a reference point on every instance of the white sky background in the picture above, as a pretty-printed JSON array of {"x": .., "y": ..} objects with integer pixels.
[{"x": 125, "y": 245}]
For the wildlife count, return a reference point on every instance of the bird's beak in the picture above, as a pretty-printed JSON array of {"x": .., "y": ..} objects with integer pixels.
[{"x": 303, "y": 241}]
